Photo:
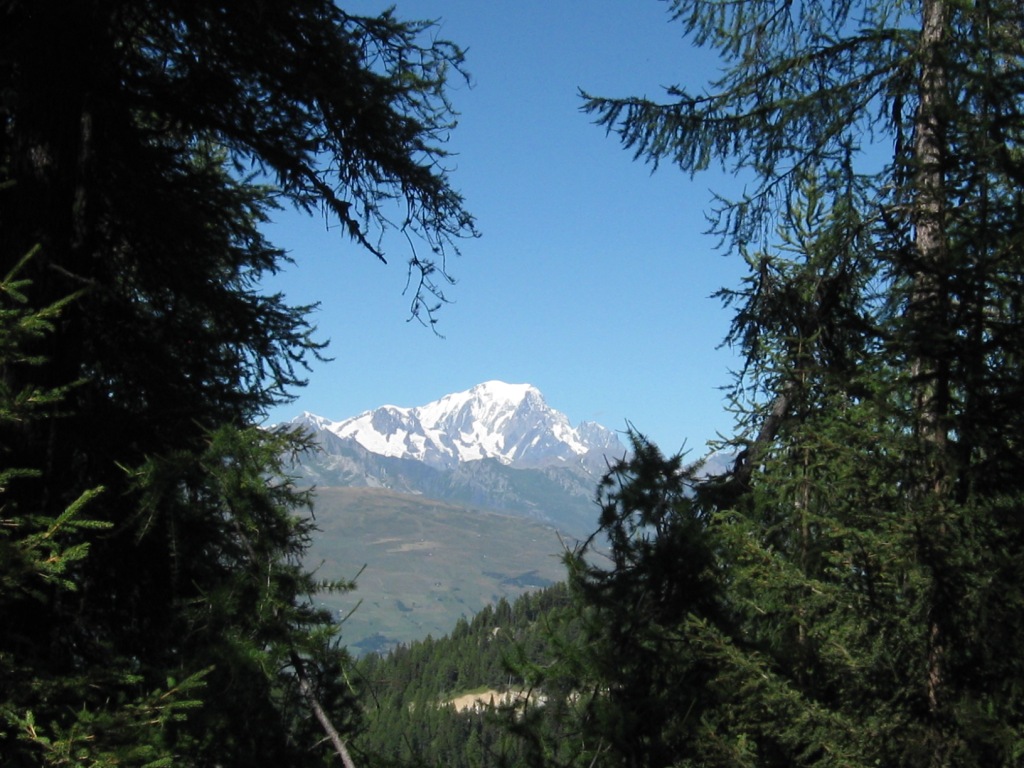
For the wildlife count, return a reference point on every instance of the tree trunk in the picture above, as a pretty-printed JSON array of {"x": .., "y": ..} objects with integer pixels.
[
  {"x": 929, "y": 301},
  {"x": 927, "y": 317},
  {"x": 321, "y": 714}
]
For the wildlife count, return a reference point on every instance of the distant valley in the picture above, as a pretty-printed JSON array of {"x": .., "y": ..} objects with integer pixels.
[
  {"x": 450, "y": 506},
  {"x": 426, "y": 562}
]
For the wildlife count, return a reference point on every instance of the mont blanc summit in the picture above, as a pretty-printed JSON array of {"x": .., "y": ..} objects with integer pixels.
[
  {"x": 496, "y": 446},
  {"x": 508, "y": 422}
]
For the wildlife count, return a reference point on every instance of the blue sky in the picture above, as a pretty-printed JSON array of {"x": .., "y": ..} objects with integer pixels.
[{"x": 592, "y": 276}]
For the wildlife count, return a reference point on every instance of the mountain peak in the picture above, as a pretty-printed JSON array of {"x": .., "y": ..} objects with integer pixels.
[
  {"x": 508, "y": 422},
  {"x": 502, "y": 390}
]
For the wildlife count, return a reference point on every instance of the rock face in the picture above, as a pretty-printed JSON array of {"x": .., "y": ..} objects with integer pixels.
[{"x": 497, "y": 446}]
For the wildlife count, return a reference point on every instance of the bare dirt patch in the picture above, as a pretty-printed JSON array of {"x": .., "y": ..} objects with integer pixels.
[{"x": 488, "y": 698}]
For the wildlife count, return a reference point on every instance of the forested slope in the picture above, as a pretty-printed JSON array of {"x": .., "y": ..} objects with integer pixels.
[{"x": 420, "y": 698}]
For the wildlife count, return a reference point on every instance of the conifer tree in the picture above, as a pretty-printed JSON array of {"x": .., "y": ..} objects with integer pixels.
[
  {"x": 867, "y": 541},
  {"x": 142, "y": 145}
]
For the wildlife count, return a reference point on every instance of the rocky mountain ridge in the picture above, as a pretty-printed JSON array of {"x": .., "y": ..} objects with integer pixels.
[
  {"x": 495, "y": 446},
  {"x": 511, "y": 423}
]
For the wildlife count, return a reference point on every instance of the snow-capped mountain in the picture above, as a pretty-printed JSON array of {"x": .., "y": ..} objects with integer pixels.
[
  {"x": 496, "y": 447},
  {"x": 508, "y": 422}
]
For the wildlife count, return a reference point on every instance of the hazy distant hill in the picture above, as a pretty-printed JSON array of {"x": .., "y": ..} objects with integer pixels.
[{"x": 428, "y": 563}]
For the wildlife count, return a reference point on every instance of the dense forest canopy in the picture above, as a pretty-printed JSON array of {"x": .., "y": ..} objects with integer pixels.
[
  {"x": 155, "y": 608},
  {"x": 439, "y": 701}
]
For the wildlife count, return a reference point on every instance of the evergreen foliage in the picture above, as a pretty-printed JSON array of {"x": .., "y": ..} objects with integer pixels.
[
  {"x": 848, "y": 594},
  {"x": 410, "y": 716},
  {"x": 154, "y": 606}
]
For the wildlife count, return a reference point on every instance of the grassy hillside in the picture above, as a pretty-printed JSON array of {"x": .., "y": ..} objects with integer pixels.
[{"x": 427, "y": 563}]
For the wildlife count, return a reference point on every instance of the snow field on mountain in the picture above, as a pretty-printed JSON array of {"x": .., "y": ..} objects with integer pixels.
[{"x": 508, "y": 422}]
